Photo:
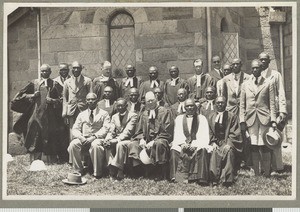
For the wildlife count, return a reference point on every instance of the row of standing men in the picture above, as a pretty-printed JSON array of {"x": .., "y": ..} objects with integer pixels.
[{"x": 200, "y": 87}]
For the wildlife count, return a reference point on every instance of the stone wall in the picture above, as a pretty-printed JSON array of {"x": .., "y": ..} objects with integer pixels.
[
  {"x": 22, "y": 55},
  {"x": 163, "y": 37},
  {"x": 288, "y": 52}
]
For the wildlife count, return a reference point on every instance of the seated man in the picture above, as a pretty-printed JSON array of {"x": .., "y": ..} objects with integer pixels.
[
  {"x": 122, "y": 129},
  {"x": 225, "y": 138},
  {"x": 153, "y": 133},
  {"x": 189, "y": 156},
  {"x": 179, "y": 107},
  {"x": 107, "y": 103},
  {"x": 208, "y": 103},
  {"x": 89, "y": 130}
]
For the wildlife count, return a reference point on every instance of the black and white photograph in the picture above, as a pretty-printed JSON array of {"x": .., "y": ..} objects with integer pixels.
[{"x": 159, "y": 101}]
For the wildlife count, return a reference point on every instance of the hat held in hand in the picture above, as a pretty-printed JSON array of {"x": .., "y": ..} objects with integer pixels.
[
  {"x": 75, "y": 179},
  {"x": 37, "y": 165},
  {"x": 144, "y": 157},
  {"x": 272, "y": 138}
]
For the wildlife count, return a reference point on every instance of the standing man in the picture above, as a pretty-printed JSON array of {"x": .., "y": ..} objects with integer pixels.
[
  {"x": 108, "y": 103},
  {"x": 226, "y": 141},
  {"x": 221, "y": 88},
  {"x": 198, "y": 83},
  {"x": 257, "y": 113},
  {"x": 89, "y": 131},
  {"x": 41, "y": 135},
  {"x": 233, "y": 83},
  {"x": 122, "y": 128},
  {"x": 172, "y": 85},
  {"x": 106, "y": 79},
  {"x": 280, "y": 104},
  {"x": 74, "y": 93},
  {"x": 154, "y": 134},
  {"x": 131, "y": 81},
  {"x": 150, "y": 84},
  {"x": 217, "y": 72},
  {"x": 190, "y": 144},
  {"x": 179, "y": 107},
  {"x": 64, "y": 139}
]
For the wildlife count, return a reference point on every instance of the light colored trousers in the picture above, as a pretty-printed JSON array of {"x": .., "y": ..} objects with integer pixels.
[
  {"x": 97, "y": 154},
  {"x": 120, "y": 158}
]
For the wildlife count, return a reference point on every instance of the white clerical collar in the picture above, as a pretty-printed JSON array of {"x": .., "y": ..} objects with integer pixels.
[
  {"x": 154, "y": 83},
  {"x": 123, "y": 114},
  {"x": 219, "y": 117},
  {"x": 181, "y": 107},
  {"x": 129, "y": 81},
  {"x": 152, "y": 114},
  {"x": 210, "y": 103},
  {"x": 104, "y": 78}
]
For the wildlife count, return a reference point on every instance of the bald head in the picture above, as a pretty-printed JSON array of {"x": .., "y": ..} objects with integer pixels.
[
  {"x": 45, "y": 71},
  {"x": 265, "y": 60},
  {"x": 76, "y": 68},
  {"x": 236, "y": 65},
  {"x": 153, "y": 73},
  {"x": 133, "y": 94},
  {"x": 149, "y": 96},
  {"x": 190, "y": 106},
  {"x": 130, "y": 70},
  {"x": 181, "y": 94},
  {"x": 91, "y": 100},
  {"x": 227, "y": 69},
  {"x": 107, "y": 92}
]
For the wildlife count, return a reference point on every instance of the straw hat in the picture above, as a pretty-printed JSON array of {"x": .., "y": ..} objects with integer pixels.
[
  {"x": 75, "y": 179},
  {"x": 37, "y": 165},
  {"x": 272, "y": 138},
  {"x": 144, "y": 157}
]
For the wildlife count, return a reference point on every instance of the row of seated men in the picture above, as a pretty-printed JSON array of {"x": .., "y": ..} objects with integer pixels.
[{"x": 47, "y": 136}]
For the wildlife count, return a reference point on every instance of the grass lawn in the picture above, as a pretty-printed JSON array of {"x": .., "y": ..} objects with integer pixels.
[{"x": 20, "y": 181}]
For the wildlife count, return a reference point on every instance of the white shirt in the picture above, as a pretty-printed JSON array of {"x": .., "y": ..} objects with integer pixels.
[
  {"x": 189, "y": 121},
  {"x": 198, "y": 80},
  {"x": 132, "y": 106},
  {"x": 107, "y": 103},
  {"x": 173, "y": 81}
]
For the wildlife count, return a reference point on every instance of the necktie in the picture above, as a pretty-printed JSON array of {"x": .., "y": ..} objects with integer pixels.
[
  {"x": 256, "y": 81},
  {"x": 154, "y": 84},
  {"x": 107, "y": 103},
  {"x": 221, "y": 74},
  {"x": 152, "y": 114},
  {"x": 219, "y": 118},
  {"x": 129, "y": 81},
  {"x": 91, "y": 117},
  {"x": 210, "y": 104}
]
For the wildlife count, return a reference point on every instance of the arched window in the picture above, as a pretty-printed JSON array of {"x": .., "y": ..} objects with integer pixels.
[
  {"x": 122, "y": 50},
  {"x": 230, "y": 42}
]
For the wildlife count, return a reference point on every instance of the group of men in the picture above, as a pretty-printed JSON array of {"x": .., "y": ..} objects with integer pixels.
[{"x": 196, "y": 130}]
